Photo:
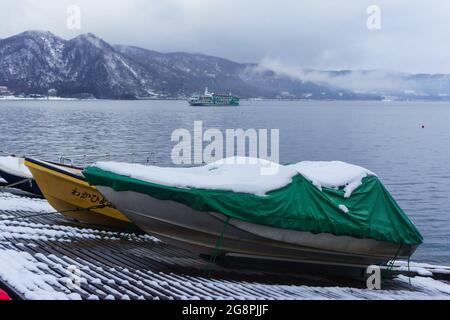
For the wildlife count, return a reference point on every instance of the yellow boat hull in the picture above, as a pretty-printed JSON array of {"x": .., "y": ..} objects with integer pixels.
[{"x": 69, "y": 193}]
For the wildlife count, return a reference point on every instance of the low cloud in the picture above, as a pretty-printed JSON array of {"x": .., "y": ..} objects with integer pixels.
[{"x": 370, "y": 81}]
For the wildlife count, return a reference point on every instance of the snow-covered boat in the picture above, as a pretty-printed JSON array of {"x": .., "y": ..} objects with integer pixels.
[
  {"x": 66, "y": 189},
  {"x": 327, "y": 213},
  {"x": 16, "y": 174}
]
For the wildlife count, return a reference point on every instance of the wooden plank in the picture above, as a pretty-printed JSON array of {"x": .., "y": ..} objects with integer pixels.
[{"x": 126, "y": 264}]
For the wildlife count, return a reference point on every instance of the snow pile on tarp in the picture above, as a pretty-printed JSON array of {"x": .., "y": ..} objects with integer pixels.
[
  {"x": 333, "y": 174},
  {"x": 317, "y": 197},
  {"x": 15, "y": 166},
  {"x": 32, "y": 279},
  {"x": 239, "y": 174}
]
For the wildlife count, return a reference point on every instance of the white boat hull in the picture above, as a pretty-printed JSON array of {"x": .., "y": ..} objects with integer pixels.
[{"x": 199, "y": 232}]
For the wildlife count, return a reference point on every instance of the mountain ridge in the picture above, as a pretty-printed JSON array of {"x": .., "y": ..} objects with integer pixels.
[{"x": 34, "y": 61}]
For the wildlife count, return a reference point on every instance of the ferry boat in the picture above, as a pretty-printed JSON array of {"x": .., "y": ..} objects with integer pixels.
[{"x": 213, "y": 99}]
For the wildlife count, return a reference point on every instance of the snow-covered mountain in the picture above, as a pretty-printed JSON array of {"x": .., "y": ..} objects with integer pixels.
[{"x": 36, "y": 61}]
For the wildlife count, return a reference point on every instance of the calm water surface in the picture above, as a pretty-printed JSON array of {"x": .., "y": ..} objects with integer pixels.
[{"x": 385, "y": 137}]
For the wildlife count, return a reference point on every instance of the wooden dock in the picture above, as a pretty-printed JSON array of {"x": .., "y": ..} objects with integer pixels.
[{"x": 45, "y": 256}]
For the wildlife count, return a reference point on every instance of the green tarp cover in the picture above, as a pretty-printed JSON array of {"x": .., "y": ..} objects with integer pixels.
[{"x": 300, "y": 205}]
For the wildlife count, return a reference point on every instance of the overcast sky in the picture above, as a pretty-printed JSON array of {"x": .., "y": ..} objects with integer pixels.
[{"x": 319, "y": 34}]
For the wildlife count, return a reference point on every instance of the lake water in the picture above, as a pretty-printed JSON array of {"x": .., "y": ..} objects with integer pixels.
[{"x": 385, "y": 137}]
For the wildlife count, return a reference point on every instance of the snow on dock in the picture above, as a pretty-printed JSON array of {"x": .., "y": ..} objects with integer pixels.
[{"x": 45, "y": 256}]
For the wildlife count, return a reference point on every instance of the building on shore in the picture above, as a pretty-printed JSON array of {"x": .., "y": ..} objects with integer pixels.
[
  {"x": 4, "y": 90},
  {"x": 52, "y": 93}
]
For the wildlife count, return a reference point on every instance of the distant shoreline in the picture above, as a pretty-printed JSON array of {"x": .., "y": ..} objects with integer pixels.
[{"x": 11, "y": 98}]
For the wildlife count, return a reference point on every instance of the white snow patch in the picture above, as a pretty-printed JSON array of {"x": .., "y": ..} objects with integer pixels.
[
  {"x": 422, "y": 269},
  {"x": 245, "y": 175},
  {"x": 15, "y": 166},
  {"x": 10, "y": 202},
  {"x": 333, "y": 174},
  {"x": 430, "y": 286},
  {"x": 19, "y": 229},
  {"x": 13, "y": 228},
  {"x": 128, "y": 67},
  {"x": 23, "y": 272}
]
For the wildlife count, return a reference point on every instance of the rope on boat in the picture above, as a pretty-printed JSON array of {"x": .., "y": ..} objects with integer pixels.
[
  {"x": 388, "y": 273},
  {"x": 54, "y": 212},
  {"x": 409, "y": 271},
  {"x": 392, "y": 262},
  {"x": 213, "y": 258},
  {"x": 17, "y": 183}
]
